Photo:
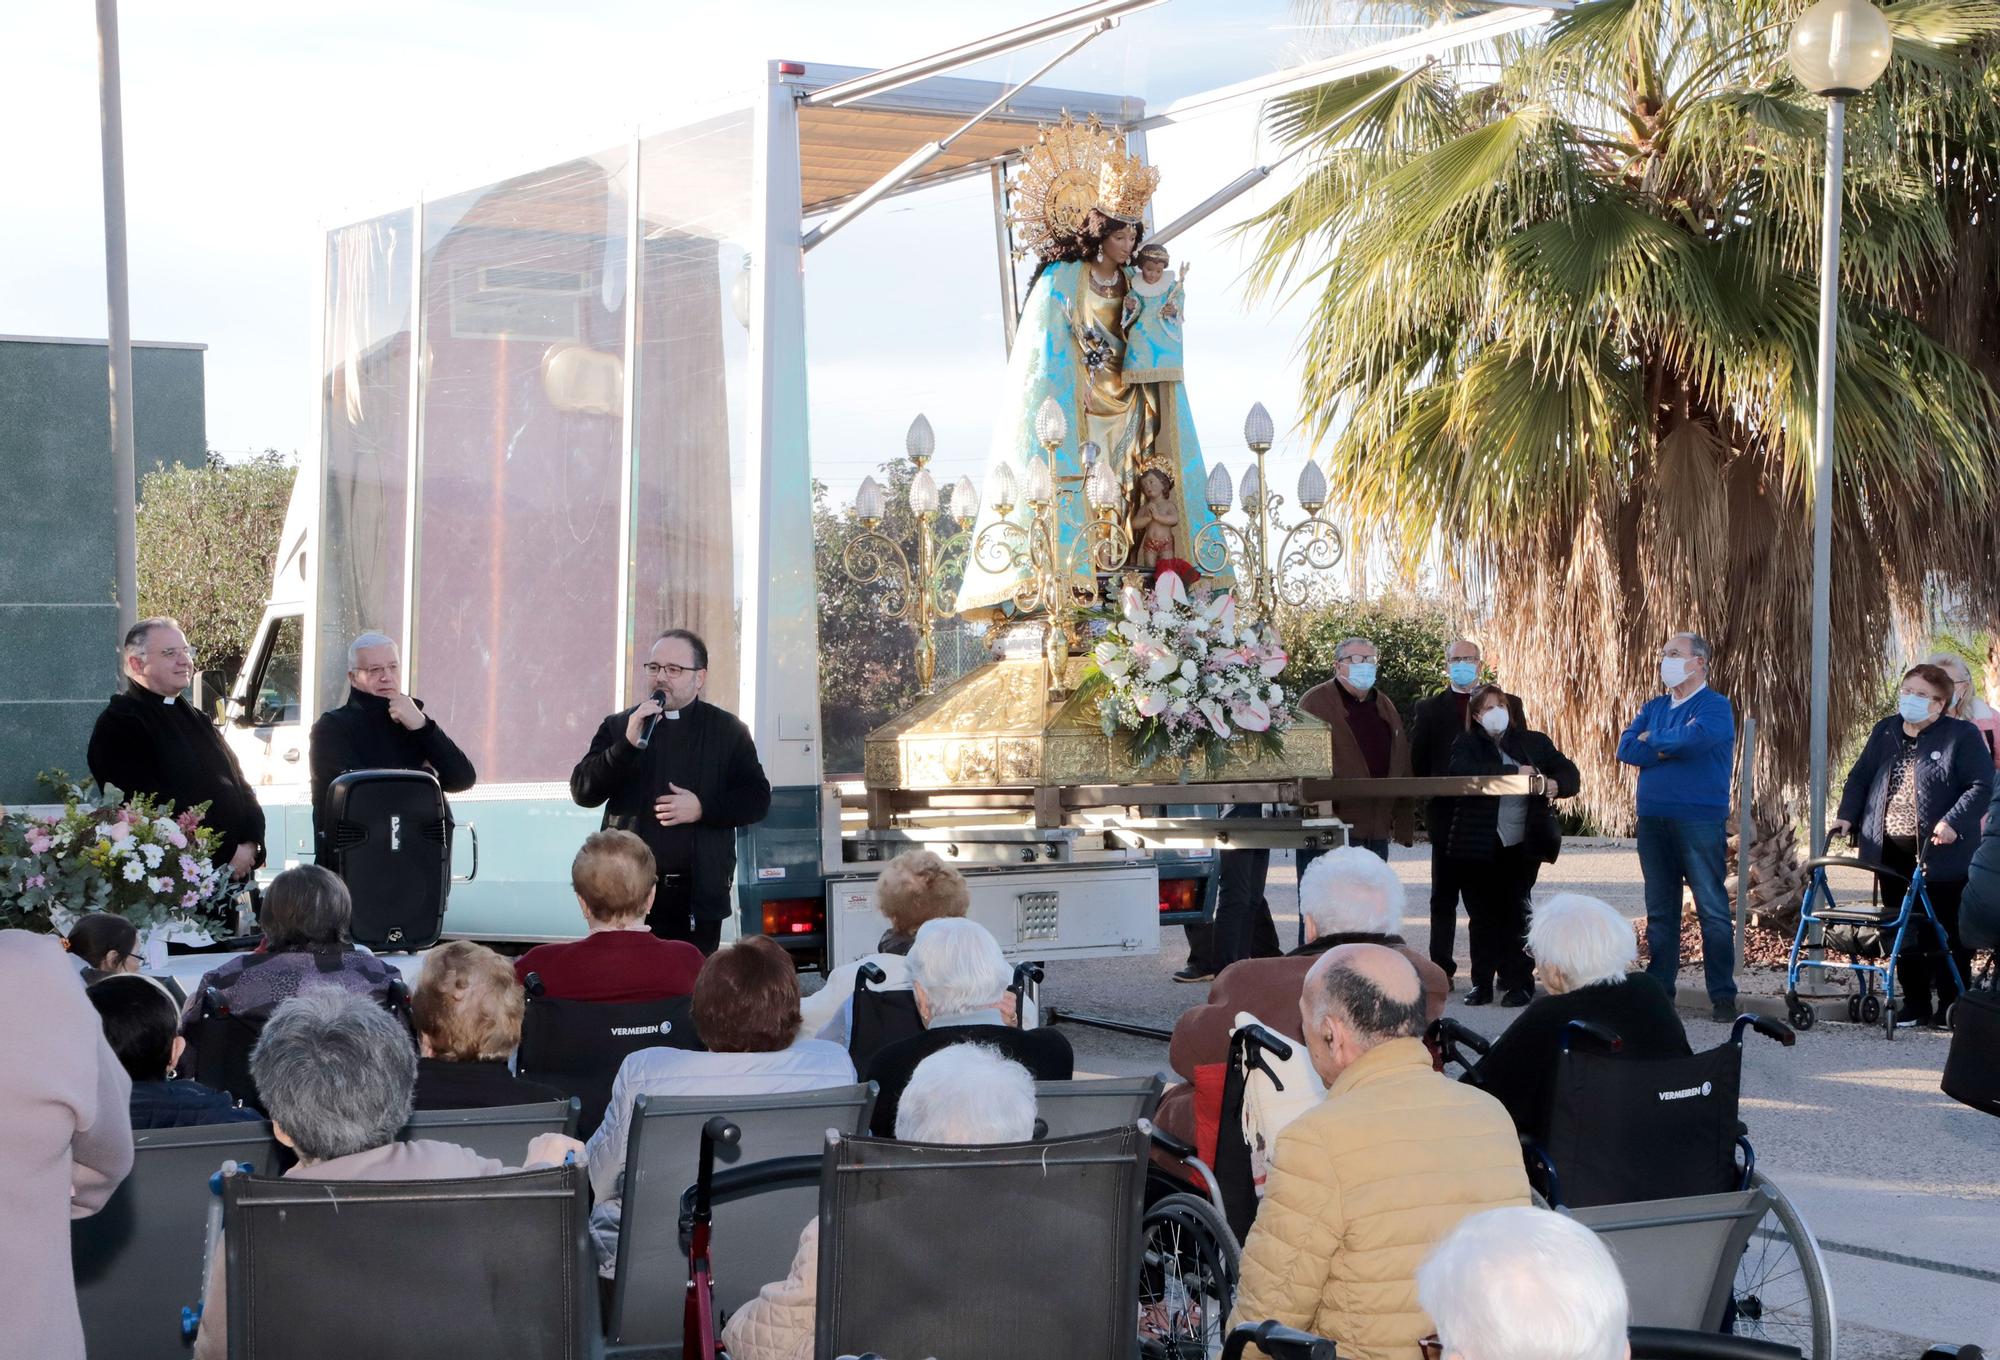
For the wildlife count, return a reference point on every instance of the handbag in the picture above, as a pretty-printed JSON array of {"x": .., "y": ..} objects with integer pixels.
[{"x": 1972, "y": 1065}]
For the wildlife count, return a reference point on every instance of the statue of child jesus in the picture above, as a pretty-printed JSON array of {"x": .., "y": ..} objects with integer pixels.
[
  {"x": 1155, "y": 302},
  {"x": 1155, "y": 518}
]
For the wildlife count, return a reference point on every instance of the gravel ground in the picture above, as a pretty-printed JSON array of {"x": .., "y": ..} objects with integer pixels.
[{"x": 1852, "y": 1126}]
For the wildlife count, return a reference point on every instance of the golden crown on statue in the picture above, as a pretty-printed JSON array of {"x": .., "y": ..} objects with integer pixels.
[
  {"x": 1071, "y": 168},
  {"x": 1125, "y": 185}
]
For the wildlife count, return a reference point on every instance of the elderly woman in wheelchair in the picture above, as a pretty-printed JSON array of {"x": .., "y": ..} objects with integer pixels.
[{"x": 1582, "y": 951}]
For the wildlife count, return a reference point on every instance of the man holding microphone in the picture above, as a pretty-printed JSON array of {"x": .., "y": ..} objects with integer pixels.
[{"x": 682, "y": 775}]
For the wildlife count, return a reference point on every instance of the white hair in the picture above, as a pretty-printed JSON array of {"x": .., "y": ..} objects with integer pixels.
[
  {"x": 1351, "y": 891},
  {"x": 1340, "y": 649},
  {"x": 1959, "y": 671},
  {"x": 1695, "y": 641},
  {"x": 366, "y": 640},
  {"x": 959, "y": 965},
  {"x": 1585, "y": 938},
  {"x": 967, "y": 1093},
  {"x": 1525, "y": 1284}
]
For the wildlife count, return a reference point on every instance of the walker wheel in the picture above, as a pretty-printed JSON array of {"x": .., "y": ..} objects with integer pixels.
[
  {"x": 1871, "y": 1009},
  {"x": 1854, "y": 1009},
  {"x": 1803, "y": 1017},
  {"x": 1888, "y": 1020}
]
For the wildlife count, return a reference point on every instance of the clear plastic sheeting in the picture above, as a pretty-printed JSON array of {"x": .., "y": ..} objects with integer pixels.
[
  {"x": 366, "y": 409},
  {"x": 522, "y": 447},
  {"x": 689, "y": 455}
]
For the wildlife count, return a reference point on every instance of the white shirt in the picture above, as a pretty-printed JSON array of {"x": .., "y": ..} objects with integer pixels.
[{"x": 1673, "y": 702}]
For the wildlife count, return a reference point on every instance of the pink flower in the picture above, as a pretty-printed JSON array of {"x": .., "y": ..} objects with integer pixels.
[
  {"x": 1252, "y": 715},
  {"x": 1152, "y": 703},
  {"x": 188, "y": 821},
  {"x": 1169, "y": 590},
  {"x": 38, "y": 881},
  {"x": 188, "y": 899},
  {"x": 39, "y": 843},
  {"x": 190, "y": 870}
]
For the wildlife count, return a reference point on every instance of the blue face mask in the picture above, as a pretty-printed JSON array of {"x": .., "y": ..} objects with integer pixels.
[
  {"x": 1914, "y": 708},
  {"x": 1463, "y": 673},
  {"x": 1361, "y": 675}
]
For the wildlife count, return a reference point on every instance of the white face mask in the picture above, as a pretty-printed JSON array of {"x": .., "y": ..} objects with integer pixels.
[
  {"x": 1494, "y": 719},
  {"x": 1673, "y": 670}
]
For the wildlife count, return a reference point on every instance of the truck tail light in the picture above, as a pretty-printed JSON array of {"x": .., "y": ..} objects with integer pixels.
[
  {"x": 794, "y": 916},
  {"x": 1179, "y": 894}
]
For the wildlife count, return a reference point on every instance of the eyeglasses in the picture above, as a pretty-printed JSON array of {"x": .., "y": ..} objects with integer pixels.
[
  {"x": 379, "y": 672},
  {"x": 1431, "y": 1347},
  {"x": 175, "y": 653},
  {"x": 671, "y": 671}
]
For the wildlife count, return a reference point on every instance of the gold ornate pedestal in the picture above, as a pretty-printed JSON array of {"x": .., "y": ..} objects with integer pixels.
[{"x": 994, "y": 729}]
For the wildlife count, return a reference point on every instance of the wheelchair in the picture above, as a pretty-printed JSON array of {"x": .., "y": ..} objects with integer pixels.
[
  {"x": 1859, "y": 933},
  {"x": 1650, "y": 1154}
]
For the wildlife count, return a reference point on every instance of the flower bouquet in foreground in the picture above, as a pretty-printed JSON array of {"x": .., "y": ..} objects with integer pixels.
[
  {"x": 1183, "y": 677},
  {"x": 135, "y": 859}
]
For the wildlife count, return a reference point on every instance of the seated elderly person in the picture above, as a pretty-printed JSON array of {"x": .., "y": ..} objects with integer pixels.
[
  {"x": 139, "y": 1023},
  {"x": 960, "y": 977},
  {"x": 619, "y": 959},
  {"x": 1524, "y": 1284},
  {"x": 1582, "y": 949},
  {"x": 336, "y": 1073},
  {"x": 1347, "y": 896},
  {"x": 1363, "y": 1184},
  {"x": 305, "y": 920},
  {"x": 967, "y": 1093},
  {"x": 467, "y": 1010},
  {"x": 746, "y": 1010},
  {"x": 914, "y": 888}
]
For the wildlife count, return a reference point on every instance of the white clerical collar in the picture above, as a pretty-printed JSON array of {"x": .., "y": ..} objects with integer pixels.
[
  {"x": 1673, "y": 702},
  {"x": 671, "y": 714},
  {"x": 168, "y": 698}
]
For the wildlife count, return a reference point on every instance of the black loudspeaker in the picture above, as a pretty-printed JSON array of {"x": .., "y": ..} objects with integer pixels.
[{"x": 388, "y": 837}]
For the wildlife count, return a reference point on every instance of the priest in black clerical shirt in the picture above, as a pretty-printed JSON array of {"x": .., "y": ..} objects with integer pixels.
[
  {"x": 147, "y": 740},
  {"x": 682, "y": 775},
  {"x": 380, "y": 728}
]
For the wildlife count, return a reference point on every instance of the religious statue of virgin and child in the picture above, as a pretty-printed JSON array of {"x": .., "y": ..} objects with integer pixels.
[{"x": 1101, "y": 335}]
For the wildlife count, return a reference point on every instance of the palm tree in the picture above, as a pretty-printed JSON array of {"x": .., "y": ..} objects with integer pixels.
[{"x": 1565, "y": 335}]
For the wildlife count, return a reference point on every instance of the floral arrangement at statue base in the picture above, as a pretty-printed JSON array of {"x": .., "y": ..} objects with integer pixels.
[
  {"x": 134, "y": 858},
  {"x": 1183, "y": 679}
]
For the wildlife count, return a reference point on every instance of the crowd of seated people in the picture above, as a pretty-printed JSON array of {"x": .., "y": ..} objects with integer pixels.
[
  {"x": 1396, "y": 1164},
  {"x": 619, "y": 958}
]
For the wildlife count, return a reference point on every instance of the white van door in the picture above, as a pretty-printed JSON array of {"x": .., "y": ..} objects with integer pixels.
[{"x": 264, "y": 723}]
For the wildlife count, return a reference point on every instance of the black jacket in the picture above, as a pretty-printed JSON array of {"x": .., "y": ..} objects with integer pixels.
[
  {"x": 1475, "y": 823},
  {"x": 1044, "y": 1052},
  {"x": 1954, "y": 784},
  {"x": 1520, "y": 1071},
  {"x": 443, "y": 1084},
  {"x": 1979, "y": 909},
  {"x": 360, "y": 735},
  {"x": 169, "y": 751},
  {"x": 1436, "y": 724},
  {"x": 184, "y": 1104},
  {"x": 721, "y": 769}
]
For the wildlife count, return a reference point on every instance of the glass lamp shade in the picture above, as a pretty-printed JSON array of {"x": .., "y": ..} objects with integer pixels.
[
  {"x": 1041, "y": 485},
  {"x": 1221, "y": 491},
  {"x": 868, "y": 500},
  {"x": 1051, "y": 425},
  {"x": 1253, "y": 491},
  {"x": 920, "y": 443},
  {"x": 923, "y": 491},
  {"x": 1101, "y": 487},
  {"x": 1257, "y": 429},
  {"x": 1312, "y": 488},
  {"x": 1840, "y": 47},
  {"x": 1001, "y": 488},
  {"x": 965, "y": 500}
]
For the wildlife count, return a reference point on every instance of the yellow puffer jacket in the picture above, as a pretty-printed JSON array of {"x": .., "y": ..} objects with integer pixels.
[{"x": 1361, "y": 1188}]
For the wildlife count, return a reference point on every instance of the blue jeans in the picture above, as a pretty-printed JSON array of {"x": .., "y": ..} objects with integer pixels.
[{"x": 1672, "y": 851}]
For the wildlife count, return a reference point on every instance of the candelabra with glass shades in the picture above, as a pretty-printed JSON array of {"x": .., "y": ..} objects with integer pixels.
[{"x": 1263, "y": 577}]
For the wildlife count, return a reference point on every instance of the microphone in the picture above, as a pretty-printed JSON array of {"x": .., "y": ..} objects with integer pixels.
[{"x": 646, "y": 732}]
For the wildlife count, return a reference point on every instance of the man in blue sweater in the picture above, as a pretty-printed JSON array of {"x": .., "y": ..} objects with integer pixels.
[{"x": 1684, "y": 743}]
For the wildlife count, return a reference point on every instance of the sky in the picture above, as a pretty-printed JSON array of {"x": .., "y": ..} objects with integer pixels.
[{"x": 250, "y": 129}]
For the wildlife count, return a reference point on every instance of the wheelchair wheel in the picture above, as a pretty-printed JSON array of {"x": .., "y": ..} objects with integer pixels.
[
  {"x": 1187, "y": 1279},
  {"x": 1781, "y": 1292}
]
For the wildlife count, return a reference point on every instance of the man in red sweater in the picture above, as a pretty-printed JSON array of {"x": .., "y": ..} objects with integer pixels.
[{"x": 620, "y": 959}]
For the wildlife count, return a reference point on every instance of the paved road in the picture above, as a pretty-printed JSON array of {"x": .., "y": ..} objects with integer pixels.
[{"x": 1853, "y": 1127}]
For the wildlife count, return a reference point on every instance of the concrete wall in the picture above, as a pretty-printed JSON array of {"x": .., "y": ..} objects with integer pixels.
[{"x": 58, "y": 620}]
